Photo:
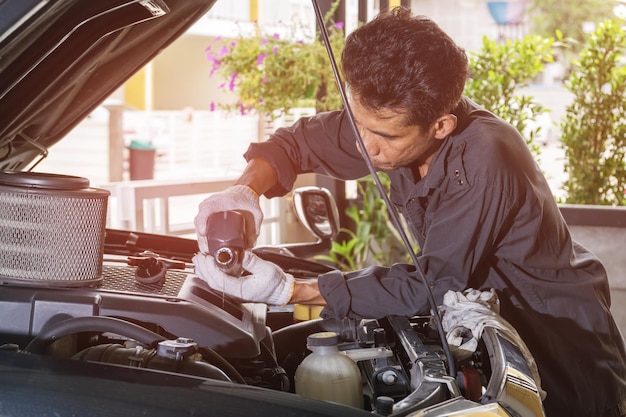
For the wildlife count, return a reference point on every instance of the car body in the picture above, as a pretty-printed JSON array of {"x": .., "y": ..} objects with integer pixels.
[{"x": 97, "y": 321}]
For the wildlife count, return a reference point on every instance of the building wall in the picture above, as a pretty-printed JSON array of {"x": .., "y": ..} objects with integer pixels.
[
  {"x": 181, "y": 76},
  {"x": 466, "y": 21}
]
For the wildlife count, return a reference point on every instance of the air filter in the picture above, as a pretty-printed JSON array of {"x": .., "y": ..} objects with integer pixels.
[{"x": 51, "y": 229}]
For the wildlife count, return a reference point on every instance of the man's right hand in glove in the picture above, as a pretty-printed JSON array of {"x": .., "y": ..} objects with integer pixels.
[
  {"x": 237, "y": 197},
  {"x": 258, "y": 177}
]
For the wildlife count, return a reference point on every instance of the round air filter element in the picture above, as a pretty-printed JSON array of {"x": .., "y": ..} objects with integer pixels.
[{"x": 51, "y": 229}]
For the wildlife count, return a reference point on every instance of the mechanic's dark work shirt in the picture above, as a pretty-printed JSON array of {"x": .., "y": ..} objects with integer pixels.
[{"x": 484, "y": 217}]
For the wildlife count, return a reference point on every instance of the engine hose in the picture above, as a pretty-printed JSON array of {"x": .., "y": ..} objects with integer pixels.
[
  {"x": 292, "y": 338},
  {"x": 92, "y": 324},
  {"x": 213, "y": 357},
  {"x": 285, "y": 383}
]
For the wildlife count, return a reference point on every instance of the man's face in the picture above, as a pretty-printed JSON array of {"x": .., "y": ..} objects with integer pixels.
[{"x": 389, "y": 142}]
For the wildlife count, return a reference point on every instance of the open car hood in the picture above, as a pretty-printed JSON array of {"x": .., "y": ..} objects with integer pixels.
[{"x": 59, "y": 59}]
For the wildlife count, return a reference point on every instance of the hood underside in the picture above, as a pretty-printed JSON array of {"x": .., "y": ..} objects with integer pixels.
[{"x": 59, "y": 59}]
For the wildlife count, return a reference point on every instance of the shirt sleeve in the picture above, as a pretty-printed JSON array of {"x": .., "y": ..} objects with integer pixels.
[
  {"x": 324, "y": 144},
  {"x": 374, "y": 292}
]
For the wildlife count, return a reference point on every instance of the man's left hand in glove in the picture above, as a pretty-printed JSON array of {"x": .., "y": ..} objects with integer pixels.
[{"x": 267, "y": 283}]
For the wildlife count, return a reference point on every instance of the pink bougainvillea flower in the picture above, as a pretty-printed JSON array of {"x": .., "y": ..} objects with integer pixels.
[
  {"x": 339, "y": 25},
  {"x": 275, "y": 49},
  {"x": 224, "y": 51},
  {"x": 263, "y": 41},
  {"x": 260, "y": 58},
  {"x": 212, "y": 106},
  {"x": 263, "y": 80},
  {"x": 231, "y": 85},
  {"x": 216, "y": 63},
  {"x": 276, "y": 36},
  {"x": 242, "y": 109}
]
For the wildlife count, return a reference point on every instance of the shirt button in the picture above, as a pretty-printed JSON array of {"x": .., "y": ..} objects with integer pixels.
[
  {"x": 456, "y": 173},
  {"x": 461, "y": 182}
]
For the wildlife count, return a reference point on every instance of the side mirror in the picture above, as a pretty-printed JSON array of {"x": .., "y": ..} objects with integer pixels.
[{"x": 317, "y": 211}]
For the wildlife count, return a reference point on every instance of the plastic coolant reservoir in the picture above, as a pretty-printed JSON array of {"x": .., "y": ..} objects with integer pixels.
[{"x": 327, "y": 374}]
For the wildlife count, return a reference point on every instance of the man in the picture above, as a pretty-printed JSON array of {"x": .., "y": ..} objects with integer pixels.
[{"x": 479, "y": 206}]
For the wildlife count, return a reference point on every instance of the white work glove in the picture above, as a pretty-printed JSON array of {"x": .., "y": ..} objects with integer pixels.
[
  {"x": 237, "y": 197},
  {"x": 267, "y": 283},
  {"x": 467, "y": 313}
]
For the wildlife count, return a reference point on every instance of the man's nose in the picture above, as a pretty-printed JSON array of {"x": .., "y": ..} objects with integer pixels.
[{"x": 371, "y": 147}]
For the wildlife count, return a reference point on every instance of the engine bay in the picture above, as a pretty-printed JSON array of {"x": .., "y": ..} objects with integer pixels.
[
  {"x": 179, "y": 324},
  {"x": 147, "y": 310}
]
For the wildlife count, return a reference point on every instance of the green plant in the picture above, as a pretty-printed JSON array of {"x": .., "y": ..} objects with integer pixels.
[
  {"x": 271, "y": 75},
  {"x": 568, "y": 17},
  {"x": 594, "y": 127},
  {"x": 500, "y": 70},
  {"x": 374, "y": 238}
]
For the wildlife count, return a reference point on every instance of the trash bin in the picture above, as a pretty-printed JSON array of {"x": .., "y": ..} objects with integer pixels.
[{"x": 141, "y": 160}]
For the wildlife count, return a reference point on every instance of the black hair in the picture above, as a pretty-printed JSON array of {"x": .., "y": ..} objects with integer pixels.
[{"x": 407, "y": 64}]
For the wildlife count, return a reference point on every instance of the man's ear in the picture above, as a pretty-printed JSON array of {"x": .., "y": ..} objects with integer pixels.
[{"x": 444, "y": 126}]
